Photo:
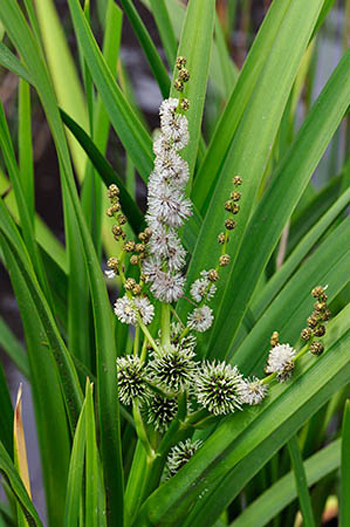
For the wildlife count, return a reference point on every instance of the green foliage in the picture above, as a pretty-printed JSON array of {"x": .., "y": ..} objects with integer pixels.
[{"x": 104, "y": 464}]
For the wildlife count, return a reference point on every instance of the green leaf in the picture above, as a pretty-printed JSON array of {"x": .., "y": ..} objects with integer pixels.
[
  {"x": 277, "y": 204},
  {"x": 13, "y": 349},
  {"x": 76, "y": 471},
  {"x": 107, "y": 173},
  {"x": 244, "y": 442},
  {"x": 165, "y": 28},
  {"x": 11, "y": 62},
  {"x": 209, "y": 170},
  {"x": 128, "y": 127},
  {"x": 284, "y": 491},
  {"x": 12, "y": 478},
  {"x": 25, "y": 149},
  {"x": 344, "y": 513},
  {"x": 159, "y": 70},
  {"x": 6, "y": 414},
  {"x": 196, "y": 45},
  {"x": 301, "y": 482}
]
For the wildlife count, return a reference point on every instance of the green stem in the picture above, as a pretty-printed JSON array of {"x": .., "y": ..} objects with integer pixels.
[
  {"x": 141, "y": 431},
  {"x": 136, "y": 341},
  {"x": 165, "y": 325}
]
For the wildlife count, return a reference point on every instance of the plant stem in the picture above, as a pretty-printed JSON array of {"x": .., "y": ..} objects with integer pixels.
[{"x": 165, "y": 325}]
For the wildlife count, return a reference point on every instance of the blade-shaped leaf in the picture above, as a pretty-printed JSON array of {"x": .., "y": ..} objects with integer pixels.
[{"x": 344, "y": 515}]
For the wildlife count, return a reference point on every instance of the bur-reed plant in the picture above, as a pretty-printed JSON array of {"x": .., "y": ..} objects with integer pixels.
[{"x": 187, "y": 352}]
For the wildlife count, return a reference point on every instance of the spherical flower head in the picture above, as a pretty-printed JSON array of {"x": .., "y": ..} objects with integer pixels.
[
  {"x": 145, "y": 309},
  {"x": 125, "y": 311},
  {"x": 200, "y": 319},
  {"x": 280, "y": 361},
  {"x": 161, "y": 411},
  {"x": 252, "y": 391},
  {"x": 180, "y": 454},
  {"x": 132, "y": 378},
  {"x": 200, "y": 288},
  {"x": 166, "y": 244},
  {"x": 175, "y": 128},
  {"x": 173, "y": 370},
  {"x": 169, "y": 206},
  {"x": 168, "y": 107},
  {"x": 168, "y": 287},
  {"x": 217, "y": 388}
]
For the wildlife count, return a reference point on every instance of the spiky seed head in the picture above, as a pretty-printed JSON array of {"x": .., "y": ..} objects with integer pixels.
[
  {"x": 116, "y": 207},
  {"x": 129, "y": 246},
  {"x": 117, "y": 230},
  {"x": 180, "y": 62},
  {"x": 180, "y": 454},
  {"x": 236, "y": 196},
  {"x": 320, "y": 331},
  {"x": 132, "y": 380},
  {"x": 237, "y": 180},
  {"x": 113, "y": 263},
  {"x": 178, "y": 85},
  {"x": 217, "y": 387},
  {"x": 318, "y": 291},
  {"x": 134, "y": 259},
  {"x": 213, "y": 275},
  {"x": 185, "y": 104},
  {"x": 230, "y": 224},
  {"x": 306, "y": 334},
  {"x": 312, "y": 321},
  {"x": 184, "y": 75},
  {"x": 274, "y": 340},
  {"x": 161, "y": 411},
  {"x": 122, "y": 219},
  {"x": 317, "y": 348},
  {"x": 129, "y": 284},
  {"x": 287, "y": 372},
  {"x": 224, "y": 260},
  {"x": 221, "y": 238},
  {"x": 109, "y": 212},
  {"x": 173, "y": 370},
  {"x": 137, "y": 290}
]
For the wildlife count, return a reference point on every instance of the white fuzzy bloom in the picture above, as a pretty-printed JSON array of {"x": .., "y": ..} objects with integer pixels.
[
  {"x": 169, "y": 206},
  {"x": 161, "y": 144},
  {"x": 152, "y": 267},
  {"x": 168, "y": 107},
  {"x": 280, "y": 359},
  {"x": 166, "y": 244},
  {"x": 200, "y": 319},
  {"x": 175, "y": 129},
  {"x": 109, "y": 273},
  {"x": 125, "y": 311},
  {"x": 200, "y": 288},
  {"x": 168, "y": 287},
  {"x": 252, "y": 391},
  {"x": 145, "y": 308}
]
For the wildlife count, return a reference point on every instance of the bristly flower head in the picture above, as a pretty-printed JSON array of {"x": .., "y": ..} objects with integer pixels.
[
  {"x": 280, "y": 361},
  {"x": 200, "y": 288},
  {"x": 161, "y": 411},
  {"x": 252, "y": 391},
  {"x": 200, "y": 319},
  {"x": 217, "y": 388},
  {"x": 173, "y": 370},
  {"x": 180, "y": 454},
  {"x": 132, "y": 379},
  {"x": 126, "y": 310}
]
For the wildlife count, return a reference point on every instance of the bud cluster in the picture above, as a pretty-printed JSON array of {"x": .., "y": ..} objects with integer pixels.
[{"x": 316, "y": 321}]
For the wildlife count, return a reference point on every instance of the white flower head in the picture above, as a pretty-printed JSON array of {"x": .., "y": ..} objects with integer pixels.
[
  {"x": 161, "y": 144},
  {"x": 200, "y": 319},
  {"x": 252, "y": 391},
  {"x": 173, "y": 370},
  {"x": 169, "y": 206},
  {"x": 168, "y": 107},
  {"x": 145, "y": 309},
  {"x": 280, "y": 361},
  {"x": 109, "y": 273},
  {"x": 125, "y": 311},
  {"x": 161, "y": 411},
  {"x": 166, "y": 244},
  {"x": 175, "y": 129},
  {"x": 180, "y": 454},
  {"x": 132, "y": 380},
  {"x": 217, "y": 388},
  {"x": 200, "y": 288},
  {"x": 152, "y": 267},
  {"x": 168, "y": 287}
]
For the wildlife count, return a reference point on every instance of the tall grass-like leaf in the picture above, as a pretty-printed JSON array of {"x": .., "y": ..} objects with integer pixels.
[
  {"x": 159, "y": 70},
  {"x": 251, "y": 148},
  {"x": 243, "y": 443},
  {"x": 20, "y": 454},
  {"x": 196, "y": 45},
  {"x": 6, "y": 414},
  {"x": 165, "y": 28},
  {"x": 344, "y": 512},
  {"x": 284, "y": 491},
  {"x": 11, "y": 62},
  {"x": 25, "y": 149},
  {"x": 129, "y": 129},
  {"x": 278, "y": 202},
  {"x": 12, "y": 478},
  {"x": 301, "y": 483},
  {"x": 209, "y": 169},
  {"x": 106, "y": 354},
  {"x": 13, "y": 348}
]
